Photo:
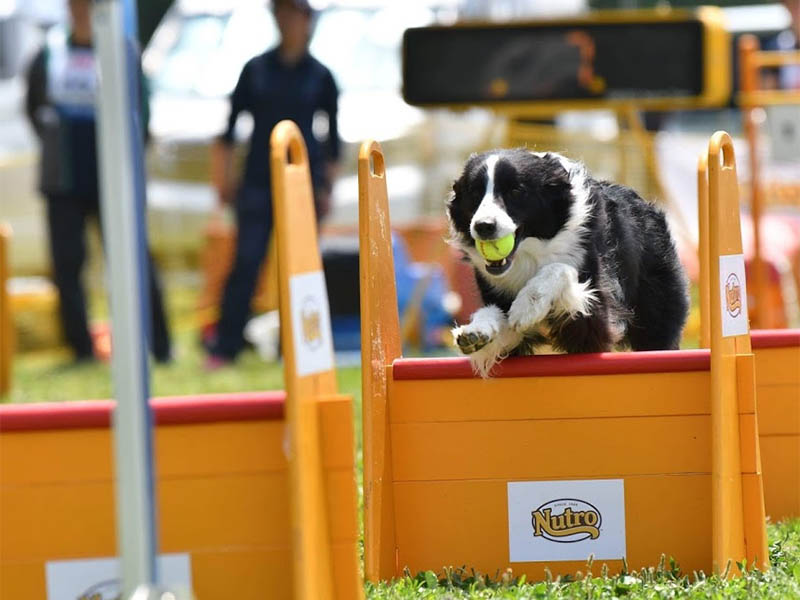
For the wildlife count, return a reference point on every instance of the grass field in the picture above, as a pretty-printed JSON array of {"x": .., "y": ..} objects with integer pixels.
[{"x": 47, "y": 377}]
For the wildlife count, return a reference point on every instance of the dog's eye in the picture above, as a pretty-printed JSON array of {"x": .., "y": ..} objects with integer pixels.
[{"x": 516, "y": 193}]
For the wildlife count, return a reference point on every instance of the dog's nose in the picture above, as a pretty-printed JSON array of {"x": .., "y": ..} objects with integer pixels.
[{"x": 486, "y": 228}]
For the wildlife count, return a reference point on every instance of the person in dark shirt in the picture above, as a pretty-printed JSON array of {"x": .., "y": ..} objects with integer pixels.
[
  {"x": 60, "y": 104},
  {"x": 283, "y": 83}
]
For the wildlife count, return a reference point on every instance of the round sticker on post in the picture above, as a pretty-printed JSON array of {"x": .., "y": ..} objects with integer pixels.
[
  {"x": 733, "y": 295},
  {"x": 311, "y": 321}
]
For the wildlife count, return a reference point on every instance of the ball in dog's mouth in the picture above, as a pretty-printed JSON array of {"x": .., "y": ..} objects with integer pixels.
[{"x": 499, "y": 267}]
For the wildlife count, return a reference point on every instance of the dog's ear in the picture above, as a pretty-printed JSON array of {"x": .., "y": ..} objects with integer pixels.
[
  {"x": 458, "y": 185},
  {"x": 556, "y": 178}
]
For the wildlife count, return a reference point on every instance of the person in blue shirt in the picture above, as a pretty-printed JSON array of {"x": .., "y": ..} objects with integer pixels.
[
  {"x": 60, "y": 104},
  {"x": 285, "y": 82}
]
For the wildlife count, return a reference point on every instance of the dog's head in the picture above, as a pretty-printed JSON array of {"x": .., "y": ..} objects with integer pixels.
[{"x": 509, "y": 191}]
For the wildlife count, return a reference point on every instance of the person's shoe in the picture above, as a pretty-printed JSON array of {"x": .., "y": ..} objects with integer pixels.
[
  {"x": 215, "y": 362},
  {"x": 164, "y": 358},
  {"x": 77, "y": 362},
  {"x": 84, "y": 359}
]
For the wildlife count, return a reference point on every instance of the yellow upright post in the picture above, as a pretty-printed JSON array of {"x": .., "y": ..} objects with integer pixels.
[
  {"x": 737, "y": 496},
  {"x": 6, "y": 335},
  {"x": 748, "y": 76},
  {"x": 308, "y": 359},
  {"x": 380, "y": 345}
]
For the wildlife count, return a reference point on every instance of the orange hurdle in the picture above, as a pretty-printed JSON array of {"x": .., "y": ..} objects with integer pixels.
[
  {"x": 777, "y": 360},
  {"x": 624, "y": 455},
  {"x": 240, "y": 514}
]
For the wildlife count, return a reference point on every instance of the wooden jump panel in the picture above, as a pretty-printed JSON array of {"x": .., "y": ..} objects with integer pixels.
[
  {"x": 493, "y": 473},
  {"x": 457, "y": 439},
  {"x": 222, "y": 494}
]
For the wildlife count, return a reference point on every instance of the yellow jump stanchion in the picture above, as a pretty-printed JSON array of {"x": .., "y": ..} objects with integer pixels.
[
  {"x": 310, "y": 377},
  {"x": 736, "y": 474},
  {"x": 555, "y": 458},
  {"x": 767, "y": 312},
  {"x": 381, "y": 345},
  {"x": 777, "y": 367},
  {"x": 256, "y": 491},
  {"x": 6, "y": 326}
]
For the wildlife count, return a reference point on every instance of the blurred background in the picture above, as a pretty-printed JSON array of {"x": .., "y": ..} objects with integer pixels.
[{"x": 193, "y": 51}]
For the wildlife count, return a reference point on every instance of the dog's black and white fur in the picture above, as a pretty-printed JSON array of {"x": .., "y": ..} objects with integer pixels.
[{"x": 593, "y": 267}]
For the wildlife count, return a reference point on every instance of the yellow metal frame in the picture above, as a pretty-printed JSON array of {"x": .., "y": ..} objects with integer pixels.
[
  {"x": 6, "y": 326},
  {"x": 426, "y": 493},
  {"x": 751, "y": 97},
  {"x": 716, "y": 63}
]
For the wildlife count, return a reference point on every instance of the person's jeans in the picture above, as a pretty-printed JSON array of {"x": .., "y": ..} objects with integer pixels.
[
  {"x": 66, "y": 217},
  {"x": 254, "y": 227}
]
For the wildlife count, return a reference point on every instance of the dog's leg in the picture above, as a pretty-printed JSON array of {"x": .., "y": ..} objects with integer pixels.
[
  {"x": 486, "y": 339},
  {"x": 555, "y": 288}
]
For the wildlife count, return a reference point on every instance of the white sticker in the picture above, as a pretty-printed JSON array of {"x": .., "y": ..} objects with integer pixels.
[
  {"x": 733, "y": 295},
  {"x": 311, "y": 321},
  {"x": 99, "y": 578},
  {"x": 566, "y": 520}
]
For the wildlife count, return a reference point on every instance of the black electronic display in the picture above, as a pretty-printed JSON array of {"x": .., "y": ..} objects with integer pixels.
[{"x": 540, "y": 62}]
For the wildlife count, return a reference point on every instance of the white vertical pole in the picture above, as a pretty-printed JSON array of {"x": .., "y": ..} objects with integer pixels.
[{"x": 121, "y": 179}]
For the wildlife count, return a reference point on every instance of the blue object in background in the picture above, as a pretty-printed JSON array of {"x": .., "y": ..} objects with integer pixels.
[{"x": 408, "y": 274}]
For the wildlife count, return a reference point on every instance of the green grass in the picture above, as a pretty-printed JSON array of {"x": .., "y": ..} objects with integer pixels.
[
  {"x": 781, "y": 582},
  {"x": 44, "y": 377}
]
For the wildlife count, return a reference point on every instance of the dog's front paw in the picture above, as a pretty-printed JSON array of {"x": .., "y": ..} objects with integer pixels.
[
  {"x": 483, "y": 328},
  {"x": 471, "y": 341},
  {"x": 527, "y": 311}
]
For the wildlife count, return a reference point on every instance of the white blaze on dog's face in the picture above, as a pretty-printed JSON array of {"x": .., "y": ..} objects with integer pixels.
[
  {"x": 515, "y": 192},
  {"x": 491, "y": 221}
]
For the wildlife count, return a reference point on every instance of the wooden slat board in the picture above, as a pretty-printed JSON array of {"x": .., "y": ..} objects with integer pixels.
[
  {"x": 563, "y": 449},
  {"x": 550, "y": 397},
  {"x": 778, "y": 366},
  {"x": 436, "y": 526},
  {"x": 781, "y": 469},
  {"x": 778, "y": 390}
]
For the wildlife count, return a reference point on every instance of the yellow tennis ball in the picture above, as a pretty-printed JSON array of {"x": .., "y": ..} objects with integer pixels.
[{"x": 495, "y": 249}]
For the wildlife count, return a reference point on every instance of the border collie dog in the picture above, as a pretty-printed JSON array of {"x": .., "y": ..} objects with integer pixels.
[{"x": 593, "y": 266}]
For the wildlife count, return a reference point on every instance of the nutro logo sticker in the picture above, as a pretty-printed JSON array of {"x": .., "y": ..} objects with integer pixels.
[
  {"x": 99, "y": 578},
  {"x": 311, "y": 318},
  {"x": 733, "y": 295},
  {"x": 311, "y": 323},
  {"x": 566, "y": 520}
]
